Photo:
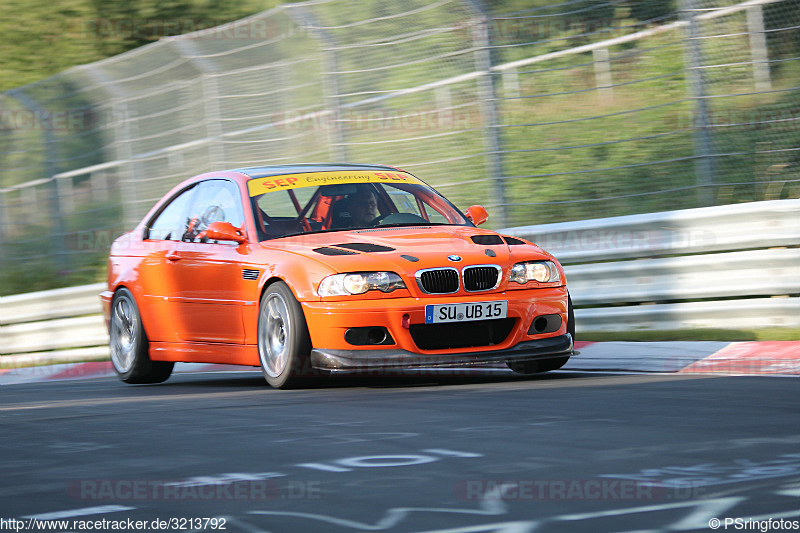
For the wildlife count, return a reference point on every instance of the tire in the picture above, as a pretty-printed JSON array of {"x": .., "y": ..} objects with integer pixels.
[
  {"x": 284, "y": 345},
  {"x": 546, "y": 365},
  {"x": 129, "y": 344}
]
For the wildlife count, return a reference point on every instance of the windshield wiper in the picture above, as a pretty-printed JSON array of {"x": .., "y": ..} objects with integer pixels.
[
  {"x": 296, "y": 233},
  {"x": 405, "y": 224},
  {"x": 365, "y": 228}
]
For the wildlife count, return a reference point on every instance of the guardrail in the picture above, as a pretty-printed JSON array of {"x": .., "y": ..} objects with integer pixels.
[
  {"x": 750, "y": 226},
  {"x": 49, "y": 305},
  {"x": 52, "y": 326},
  {"x": 728, "y": 267},
  {"x": 743, "y": 314},
  {"x": 770, "y": 272}
]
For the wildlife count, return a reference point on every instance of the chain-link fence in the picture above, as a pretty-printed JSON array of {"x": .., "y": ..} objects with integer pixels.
[{"x": 542, "y": 113}]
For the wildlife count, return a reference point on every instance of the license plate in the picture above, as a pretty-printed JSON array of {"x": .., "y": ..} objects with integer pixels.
[{"x": 464, "y": 312}]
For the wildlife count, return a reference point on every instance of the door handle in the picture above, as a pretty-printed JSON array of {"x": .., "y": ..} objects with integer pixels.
[{"x": 173, "y": 256}]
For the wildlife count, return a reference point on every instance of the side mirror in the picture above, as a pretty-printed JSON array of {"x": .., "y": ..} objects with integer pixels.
[
  {"x": 477, "y": 214},
  {"x": 225, "y": 231}
]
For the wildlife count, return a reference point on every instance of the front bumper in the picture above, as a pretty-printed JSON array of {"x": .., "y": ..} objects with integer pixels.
[
  {"x": 328, "y": 359},
  {"x": 328, "y": 321}
]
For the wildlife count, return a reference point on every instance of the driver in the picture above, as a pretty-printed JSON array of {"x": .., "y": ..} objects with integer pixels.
[{"x": 363, "y": 207}]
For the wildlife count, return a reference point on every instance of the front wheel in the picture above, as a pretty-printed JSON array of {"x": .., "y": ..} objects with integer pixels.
[
  {"x": 284, "y": 345},
  {"x": 129, "y": 345}
]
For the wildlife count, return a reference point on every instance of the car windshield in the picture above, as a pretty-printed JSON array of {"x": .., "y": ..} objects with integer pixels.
[{"x": 298, "y": 204}]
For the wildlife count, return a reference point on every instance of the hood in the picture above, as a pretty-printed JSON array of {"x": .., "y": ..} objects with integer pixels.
[{"x": 409, "y": 248}]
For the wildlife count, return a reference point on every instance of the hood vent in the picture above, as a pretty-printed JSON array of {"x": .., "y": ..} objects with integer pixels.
[
  {"x": 512, "y": 241},
  {"x": 365, "y": 247},
  {"x": 327, "y": 250},
  {"x": 487, "y": 240}
]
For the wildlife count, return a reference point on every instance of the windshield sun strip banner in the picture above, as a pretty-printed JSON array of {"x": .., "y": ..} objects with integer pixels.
[{"x": 258, "y": 186}]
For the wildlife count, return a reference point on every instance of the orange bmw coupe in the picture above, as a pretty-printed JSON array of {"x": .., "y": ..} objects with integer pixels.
[{"x": 305, "y": 270}]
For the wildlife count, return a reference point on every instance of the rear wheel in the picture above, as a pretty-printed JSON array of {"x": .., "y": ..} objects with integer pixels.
[
  {"x": 284, "y": 345},
  {"x": 129, "y": 344}
]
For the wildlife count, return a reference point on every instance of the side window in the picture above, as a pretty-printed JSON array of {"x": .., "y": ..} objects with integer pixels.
[
  {"x": 434, "y": 215},
  {"x": 405, "y": 202},
  {"x": 216, "y": 201},
  {"x": 170, "y": 224}
]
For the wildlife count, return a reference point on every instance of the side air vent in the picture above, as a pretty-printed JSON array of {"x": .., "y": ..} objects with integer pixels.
[{"x": 250, "y": 273}]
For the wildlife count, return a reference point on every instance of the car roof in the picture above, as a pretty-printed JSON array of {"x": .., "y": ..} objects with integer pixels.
[{"x": 278, "y": 170}]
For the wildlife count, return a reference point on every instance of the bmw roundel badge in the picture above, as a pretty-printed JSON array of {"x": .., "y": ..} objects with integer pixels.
[{"x": 454, "y": 258}]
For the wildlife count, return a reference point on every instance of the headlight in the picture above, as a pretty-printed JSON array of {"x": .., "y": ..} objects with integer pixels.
[
  {"x": 541, "y": 271},
  {"x": 359, "y": 283}
]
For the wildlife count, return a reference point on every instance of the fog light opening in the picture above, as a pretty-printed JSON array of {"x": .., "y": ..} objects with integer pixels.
[
  {"x": 545, "y": 324},
  {"x": 368, "y": 336},
  {"x": 377, "y": 335}
]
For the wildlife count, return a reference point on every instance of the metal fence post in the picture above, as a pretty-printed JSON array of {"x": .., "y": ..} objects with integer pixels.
[
  {"x": 187, "y": 49},
  {"x": 330, "y": 83},
  {"x": 511, "y": 87},
  {"x": 758, "y": 47},
  {"x": 127, "y": 183},
  {"x": 99, "y": 186},
  {"x": 703, "y": 153},
  {"x": 50, "y": 170},
  {"x": 4, "y": 222},
  {"x": 487, "y": 93},
  {"x": 122, "y": 144},
  {"x": 602, "y": 74},
  {"x": 66, "y": 193}
]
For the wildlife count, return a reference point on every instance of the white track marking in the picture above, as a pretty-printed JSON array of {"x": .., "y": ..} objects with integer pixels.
[
  {"x": 86, "y": 511},
  {"x": 491, "y": 505}
]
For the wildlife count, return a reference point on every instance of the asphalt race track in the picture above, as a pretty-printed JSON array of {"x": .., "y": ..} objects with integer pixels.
[{"x": 490, "y": 451}]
